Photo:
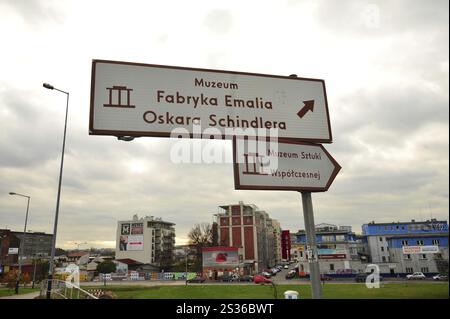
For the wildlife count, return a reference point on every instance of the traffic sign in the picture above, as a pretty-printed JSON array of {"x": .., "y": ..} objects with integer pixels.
[
  {"x": 132, "y": 99},
  {"x": 286, "y": 165}
]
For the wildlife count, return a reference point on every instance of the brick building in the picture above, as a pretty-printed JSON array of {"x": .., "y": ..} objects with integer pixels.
[{"x": 251, "y": 229}]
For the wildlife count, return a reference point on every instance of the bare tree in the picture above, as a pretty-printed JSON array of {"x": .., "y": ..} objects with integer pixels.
[{"x": 201, "y": 235}]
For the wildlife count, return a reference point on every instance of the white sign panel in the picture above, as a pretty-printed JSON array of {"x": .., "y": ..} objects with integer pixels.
[
  {"x": 282, "y": 166},
  {"x": 13, "y": 251},
  {"x": 420, "y": 249},
  {"x": 130, "y": 99}
]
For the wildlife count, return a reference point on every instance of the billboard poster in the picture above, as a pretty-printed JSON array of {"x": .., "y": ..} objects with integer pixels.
[
  {"x": 131, "y": 242},
  {"x": 137, "y": 228},
  {"x": 13, "y": 251},
  {"x": 220, "y": 257}
]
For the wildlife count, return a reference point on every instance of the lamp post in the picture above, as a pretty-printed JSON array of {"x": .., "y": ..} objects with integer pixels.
[
  {"x": 19, "y": 255},
  {"x": 186, "y": 273},
  {"x": 55, "y": 226}
]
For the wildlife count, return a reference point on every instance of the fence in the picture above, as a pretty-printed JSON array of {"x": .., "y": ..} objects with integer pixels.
[{"x": 64, "y": 290}]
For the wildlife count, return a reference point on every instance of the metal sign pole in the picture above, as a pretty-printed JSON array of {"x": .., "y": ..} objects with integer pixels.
[{"x": 314, "y": 270}]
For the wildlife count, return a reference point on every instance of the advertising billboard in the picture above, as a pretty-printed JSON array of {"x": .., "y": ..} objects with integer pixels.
[
  {"x": 131, "y": 237},
  {"x": 13, "y": 251},
  {"x": 220, "y": 257}
]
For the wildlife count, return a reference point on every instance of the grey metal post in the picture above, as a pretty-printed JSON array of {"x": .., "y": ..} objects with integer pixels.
[
  {"x": 314, "y": 270},
  {"x": 55, "y": 226}
]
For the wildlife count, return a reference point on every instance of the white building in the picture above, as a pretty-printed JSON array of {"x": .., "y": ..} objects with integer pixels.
[{"x": 147, "y": 240}]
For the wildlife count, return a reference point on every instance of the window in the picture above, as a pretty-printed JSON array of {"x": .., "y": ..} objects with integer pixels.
[
  {"x": 404, "y": 243},
  {"x": 381, "y": 238},
  {"x": 423, "y": 256},
  {"x": 331, "y": 266},
  {"x": 340, "y": 237},
  {"x": 409, "y": 270},
  {"x": 420, "y": 242},
  {"x": 327, "y": 238},
  {"x": 383, "y": 259},
  {"x": 435, "y": 242},
  {"x": 382, "y": 248},
  {"x": 424, "y": 269},
  {"x": 301, "y": 254},
  {"x": 407, "y": 256}
]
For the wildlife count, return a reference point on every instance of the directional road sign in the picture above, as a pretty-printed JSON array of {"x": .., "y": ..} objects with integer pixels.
[
  {"x": 132, "y": 99},
  {"x": 286, "y": 165}
]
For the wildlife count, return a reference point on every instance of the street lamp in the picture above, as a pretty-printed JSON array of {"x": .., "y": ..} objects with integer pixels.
[
  {"x": 186, "y": 255},
  {"x": 22, "y": 241},
  {"x": 55, "y": 227}
]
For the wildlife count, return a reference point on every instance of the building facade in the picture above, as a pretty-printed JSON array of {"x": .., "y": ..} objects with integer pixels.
[
  {"x": 245, "y": 226},
  {"x": 286, "y": 245},
  {"x": 146, "y": 240},
  {"x": 407, "y": 247},
  {"x": 340, "y": 251}
]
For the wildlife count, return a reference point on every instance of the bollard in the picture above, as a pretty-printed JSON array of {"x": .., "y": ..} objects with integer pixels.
[{"x": 290, "y": 294}]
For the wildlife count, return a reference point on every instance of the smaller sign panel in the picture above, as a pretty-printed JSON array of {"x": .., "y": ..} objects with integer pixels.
[
  {"x": 13, "y": 251},
  {"x": 282, "y": 165},
  {"x": 420, "y": 249},
  {"x": 125, "y": 229},
  {"x": 137, "y": 228}
]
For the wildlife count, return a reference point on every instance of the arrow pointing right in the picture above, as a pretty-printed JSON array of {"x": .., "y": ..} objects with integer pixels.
[{"x": 308, "y": 106}]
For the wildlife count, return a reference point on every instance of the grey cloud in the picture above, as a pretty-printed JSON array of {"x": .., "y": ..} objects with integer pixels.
[
  {"x": 400, "y": 111},
  {"x": 29, "y": 137}
]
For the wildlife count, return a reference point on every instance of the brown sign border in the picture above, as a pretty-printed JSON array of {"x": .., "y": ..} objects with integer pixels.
[
  {"x": 239, "y": 186},
  {"x": 118, "y": 133}
]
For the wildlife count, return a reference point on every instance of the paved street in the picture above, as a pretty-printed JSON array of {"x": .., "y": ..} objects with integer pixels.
[{"x": 30, "y": 295}]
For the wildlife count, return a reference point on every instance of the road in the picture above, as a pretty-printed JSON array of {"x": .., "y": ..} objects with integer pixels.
[
  {"x": 30, "y": 295},
  {"x": 278, "y": 279}
]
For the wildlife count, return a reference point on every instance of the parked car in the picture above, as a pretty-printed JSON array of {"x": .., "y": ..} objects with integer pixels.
[
  {"x": 324, "y": 277},
  {"x": 260, "y": 279},
  {"x": 266, "y": 274},
  {"x": 416, "y": 275},
  {"x": 291, "y": 274},
  {"x": 286, "y": 267},
  {"x": 196, "y": 279},
  {"x": 363, "y": 277},
  {"x": 226, "y": 278},
  {"x": 441, "y": 277},
  {"x": 246, "y": 278}
]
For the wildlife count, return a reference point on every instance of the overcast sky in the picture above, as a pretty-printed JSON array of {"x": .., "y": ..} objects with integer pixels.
[{"x": 385, "y": 65}]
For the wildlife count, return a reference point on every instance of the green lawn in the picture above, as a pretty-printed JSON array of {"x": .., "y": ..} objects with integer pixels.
[
  {"x": 9, "y": 292},
  {"x": 330, "y": 291}
]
